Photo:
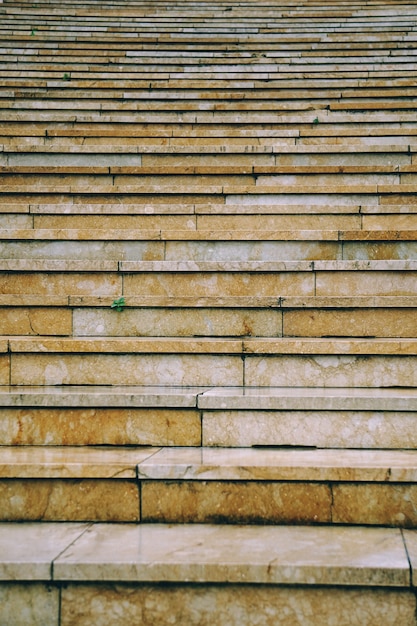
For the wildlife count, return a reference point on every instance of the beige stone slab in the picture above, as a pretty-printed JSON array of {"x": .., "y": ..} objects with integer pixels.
[
  {"x": 4, "y": 366},
  {"x": 361, "y": 283},
  {"x": 27, "y": 550},
  {"x": 15, "y": 221},
  {"x": 219, "y": 266},
  {"x": 375, "y": 504},
  {"x": 35, "y": 321},
  {"x": 56, "y": 265},
  {"x": 410, "y": 539},
  {"x": 308, "y": 398},
  {"x": 261, "y": 157},
  {"x": 355, "y": 302},
  {"x": 350, "y": 323},
  {"x": 73, "y": 500},
  {"x": 71, "y": 462},
  {"x": 252, "y": 464},
  {"x": 71, "y": 245},
  {"x": 390, "y": 222},
  {"x": 327, "y": 180},
  {"x": 254, "y": 249},
  {"x": 53, "y": 284},
  {"x": 33, "y": 604},
  {"x": 108, "y": 208},
  {"x": 317, "y": 428},
  {"x": 272, "y": 196},
  {"x": 124, "y": 345},
  {"x": 123, "y": 396},
  {"x": 107, "y": 369},
  {"x": 234, "y": 605},
  {"x": 332, "y": 346},
  {"x": 177, "y": 322},
  {"x": 243, "y": 554},
  {"x": 220, "y": 284},
  {"x": 4, "y": 345},
  {"x": 100, "y": 426},
  {"x": 376, "y": 250},
  {"x": 245, "y": 502},
  {"x": 328, "y": 156},
  {"x": 330, "y": 371},
  {"x": 116, "y": 222},
  {"x": 278, "y": 222}
]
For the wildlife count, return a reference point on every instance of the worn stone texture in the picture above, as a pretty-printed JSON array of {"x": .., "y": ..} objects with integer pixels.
[
  {"x": 69, "y": 500},
  {"x": 4, "y": 369},
  {"x": 48, "y": 283},
  {"x": 99, "y": 426},
  {"x": 33, "y": 604},
  {"x": 333, "y": 429},
  {"x": 331, "y": 371},
  {"x": 125, "y": 369},
  {"x": 232, "y": 284},
  {"x": 184, "y": 322},
  {"x": 350, "y": 323},
  {"x": 241, "y": 502},
  {"x": 35, "y": 321},
  {"x": 234, "y": 605},
  {"x": 361, "y": 283},
  {"x": 375, "y": 504},
  {"x": 254, "y": 250}
]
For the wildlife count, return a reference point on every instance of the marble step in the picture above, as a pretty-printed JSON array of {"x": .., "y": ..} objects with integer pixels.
[
  {"x": 209, "y": 485},
  {"x": 186, "y": 193},
  {"x": 221, "y": 417},
  {"x": 23, "y": 153},
  {"x": 189, "y": 245},
  {"x": 310, "y": 132},
  {"x": 267, "y": 223},
  {"x": 85, "y": 277},
  {"x": 263, "y": 362},
  {"x": 153, "y": 316},
  {"x": 65, "y": 573}
]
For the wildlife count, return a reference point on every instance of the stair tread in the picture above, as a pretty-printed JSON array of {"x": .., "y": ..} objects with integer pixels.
[
  {"x": 270, "y": 345},
  {"x": 206, "y": 553},
  {"x": 287, "y": 302}
]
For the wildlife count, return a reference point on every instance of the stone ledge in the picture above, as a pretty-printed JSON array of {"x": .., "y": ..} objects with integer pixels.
[
  {"x": 204, "y": 553},
  {"x": 287, "y": 302},
  {"x": 183, "y": 345}
]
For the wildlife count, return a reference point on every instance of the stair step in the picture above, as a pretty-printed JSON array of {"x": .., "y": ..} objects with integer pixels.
[
  {"x": 261, "y": 362},
  {"x": 68, "y": 569},
  {"x": 223, "y": 416},
  {"x": 184, "y": 485}
]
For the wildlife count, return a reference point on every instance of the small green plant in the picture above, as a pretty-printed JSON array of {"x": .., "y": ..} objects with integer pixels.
[
  {"x": 33, "y": 32},
  {"x": 119, "y": 304},
  {"x": 66, "y": 76},
  {"x": 316, "y": 120}
]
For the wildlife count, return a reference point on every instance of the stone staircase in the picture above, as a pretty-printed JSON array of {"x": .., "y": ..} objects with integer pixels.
[{"x": 208, "y": 293}]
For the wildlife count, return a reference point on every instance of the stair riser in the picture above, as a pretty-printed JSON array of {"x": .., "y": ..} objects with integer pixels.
[
  {"x": 331, "y": 370},
  {"x": 215, "y": 322},
  {"x": 279, "y": 502},
  {"x": 322, "y": 429},
  {"x": 100, "y": 426},
  {"x": 221, "y": 284},
  {"x": 69, "y": 500},
  {"x": 171, "y": 250},
  {"x": 234, "y": 502},
  {"x": 256, "y": 222},
  {"x": 134, "y": 604}
]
